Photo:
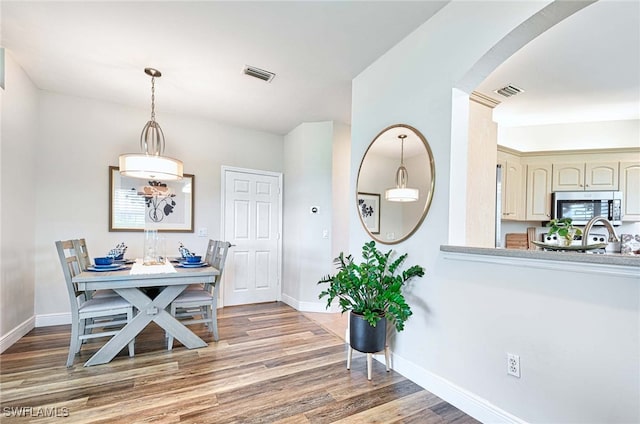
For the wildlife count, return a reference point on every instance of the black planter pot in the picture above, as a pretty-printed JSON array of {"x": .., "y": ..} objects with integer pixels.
[{"x": 365, "y": 338}]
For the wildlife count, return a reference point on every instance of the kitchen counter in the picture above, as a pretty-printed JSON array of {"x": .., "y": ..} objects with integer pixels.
[{"x": 621, "y": 262}]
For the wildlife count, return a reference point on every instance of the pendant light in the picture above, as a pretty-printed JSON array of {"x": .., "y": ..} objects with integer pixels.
[
  {"x": 401, "y": 193},
  {"x": 150, "y": 164}
]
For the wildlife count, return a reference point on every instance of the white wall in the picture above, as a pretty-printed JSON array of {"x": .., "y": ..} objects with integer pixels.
[
  {"x": 80, "y": 138},
  {"x": 571, "y": 136},
  {"x": 576, "y": 333},
  {"x": 17, "y": 152},
  {"x": 340, "y": 189},
  {"x": 307, "y": 183}
]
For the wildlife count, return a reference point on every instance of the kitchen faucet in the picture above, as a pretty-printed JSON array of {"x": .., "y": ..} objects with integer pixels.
[{"x": 613, "y": 237}]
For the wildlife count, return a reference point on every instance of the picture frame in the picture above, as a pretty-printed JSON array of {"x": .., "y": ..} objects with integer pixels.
[
  {"x": 136, "y": 203},
  {"x": 369, "y": 208}
]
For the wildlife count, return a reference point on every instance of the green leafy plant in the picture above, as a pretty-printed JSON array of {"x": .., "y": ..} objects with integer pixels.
[
  {"x": 372, "y": 288},
  {"x": 564, "y": 229}
]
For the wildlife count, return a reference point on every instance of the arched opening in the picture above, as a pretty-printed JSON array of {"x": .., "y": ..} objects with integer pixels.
[{"x": 473, "y": 179}]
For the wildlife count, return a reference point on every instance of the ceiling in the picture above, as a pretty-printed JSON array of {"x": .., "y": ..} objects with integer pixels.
[
  {"x": 585, "y": 68},
  {"x": 315, "y": 48}
]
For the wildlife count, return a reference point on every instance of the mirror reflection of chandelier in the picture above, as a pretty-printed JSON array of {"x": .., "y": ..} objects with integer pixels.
[
  {"x": 402, "y": 193},
  {"x": 150, "y": 164}
]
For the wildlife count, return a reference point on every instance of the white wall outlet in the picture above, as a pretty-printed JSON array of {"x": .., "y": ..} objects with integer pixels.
[
  {"x": 325, "y": 234},
  {"x": 513, "y": 365},
  {"x": 203, "y": 232}
]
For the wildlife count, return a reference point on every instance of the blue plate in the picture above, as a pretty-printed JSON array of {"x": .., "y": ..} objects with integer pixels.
[
  {"x": 192, "y": 265},
  {"x": 115, "y": 267},
  {"x": 111, "y": 266}
]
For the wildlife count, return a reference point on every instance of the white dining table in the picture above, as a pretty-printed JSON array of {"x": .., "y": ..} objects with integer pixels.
[{"x": 130, "y": 288}]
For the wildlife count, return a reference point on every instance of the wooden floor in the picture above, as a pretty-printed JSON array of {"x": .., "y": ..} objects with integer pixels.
[{"x": 271, "y": 365}]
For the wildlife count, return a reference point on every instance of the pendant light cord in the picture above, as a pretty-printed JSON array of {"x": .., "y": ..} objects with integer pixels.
[{"x": 153, "y": 98}]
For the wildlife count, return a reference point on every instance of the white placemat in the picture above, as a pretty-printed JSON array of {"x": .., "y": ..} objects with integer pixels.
[{"x": 138, "y": 268}]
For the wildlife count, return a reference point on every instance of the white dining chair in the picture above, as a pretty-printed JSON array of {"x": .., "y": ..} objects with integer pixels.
[
  {"x": 88, "y": 314},
  {"x": 202, "y": 300}
]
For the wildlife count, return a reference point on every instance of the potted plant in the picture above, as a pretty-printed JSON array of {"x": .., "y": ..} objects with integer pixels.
[
  {"x": 564, "y": 229},
  {"x": 372, "y": 291}
]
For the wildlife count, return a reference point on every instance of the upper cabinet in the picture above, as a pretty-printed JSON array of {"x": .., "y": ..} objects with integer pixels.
[
  {"x": 630, "y": 187},
  {"x": 538, "y": 192},
  {"x": 587, "y": 176},
  {"x": 513, "y": 187},
  {"x": 514, "y": 191}
]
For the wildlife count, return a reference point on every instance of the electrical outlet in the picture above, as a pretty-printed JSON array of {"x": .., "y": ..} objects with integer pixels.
[{"x": 513, "y": 365}]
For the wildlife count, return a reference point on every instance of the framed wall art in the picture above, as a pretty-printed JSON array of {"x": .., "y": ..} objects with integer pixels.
[
  {"x": 136, "y": 204},
  {"x": 369, "y": 208}
]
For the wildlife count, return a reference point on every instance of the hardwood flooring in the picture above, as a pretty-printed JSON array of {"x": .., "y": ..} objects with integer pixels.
[{"x": 271, "y": 365}]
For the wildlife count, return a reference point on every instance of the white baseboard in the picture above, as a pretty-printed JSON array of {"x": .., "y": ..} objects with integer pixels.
[
  {"x": 47, "y": 320},
  {"x": 308, "y": 306},
  {"x": 14, "y": 335},
  {"x": 469, "y": 403},
  {"x": 290, "y": 301}
]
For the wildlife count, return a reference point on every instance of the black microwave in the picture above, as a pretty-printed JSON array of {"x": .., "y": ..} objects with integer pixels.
[{"x": 581, "y": 206}]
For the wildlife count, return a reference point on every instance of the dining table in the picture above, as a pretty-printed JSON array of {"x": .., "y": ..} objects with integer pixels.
[{"x": 131, "y": 285}]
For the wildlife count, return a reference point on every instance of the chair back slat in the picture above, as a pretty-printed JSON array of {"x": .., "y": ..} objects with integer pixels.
[
  {"x": 70, "y": 268},
  {"x": 211, "y": 250},
  {"x": 220, "y": 256},
  {"x": 82, "y": 253},
  {"x": 216, "y": 257}
]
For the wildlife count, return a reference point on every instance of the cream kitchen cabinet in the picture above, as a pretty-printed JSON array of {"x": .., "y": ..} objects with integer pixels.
[
  {"x": 513, "y": 190},
  {"x": 630, "y": 187},
  {"x": 581, "y": 176},
  {"x": 538, "y": 192}
]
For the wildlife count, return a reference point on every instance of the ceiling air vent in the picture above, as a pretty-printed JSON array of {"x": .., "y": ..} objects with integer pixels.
[
  {"x": 252, "y": 71},
  {"x": 509, "y": 90}
]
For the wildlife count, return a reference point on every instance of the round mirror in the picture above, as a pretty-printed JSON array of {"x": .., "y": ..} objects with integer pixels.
[{"x": 395, "y": 184}]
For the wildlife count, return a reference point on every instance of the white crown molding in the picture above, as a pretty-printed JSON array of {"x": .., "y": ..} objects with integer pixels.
[
  {"x": 483, "y": 99},
  {"x": 568, "y": 152}
]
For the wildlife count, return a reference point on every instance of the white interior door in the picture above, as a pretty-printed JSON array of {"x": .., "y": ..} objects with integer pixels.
[{"x": 252, "y": 221}]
